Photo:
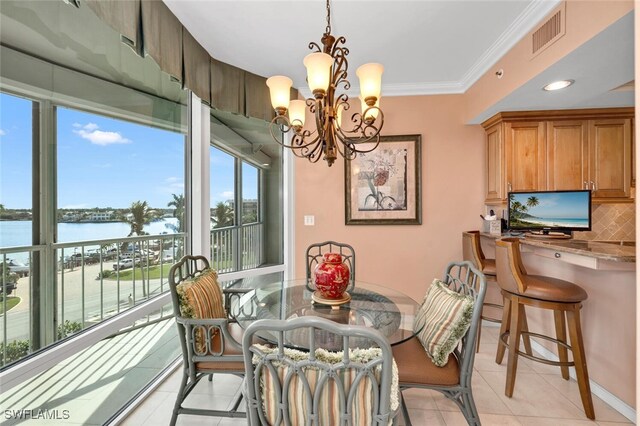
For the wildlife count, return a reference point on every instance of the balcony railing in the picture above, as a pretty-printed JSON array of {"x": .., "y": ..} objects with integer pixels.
[
  {"x": 237, "y": 248},
  {"x": 94, "y": 280}
]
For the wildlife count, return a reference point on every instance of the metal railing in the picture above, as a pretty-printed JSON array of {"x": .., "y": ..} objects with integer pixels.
[
  {"x": 94, "y": 280},
  {"x": 16, "y": 285},
  {"x": 237, "y": 248}
]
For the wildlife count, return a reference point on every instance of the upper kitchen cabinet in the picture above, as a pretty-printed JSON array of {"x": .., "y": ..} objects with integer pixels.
[{"x": 560, "y": 150}]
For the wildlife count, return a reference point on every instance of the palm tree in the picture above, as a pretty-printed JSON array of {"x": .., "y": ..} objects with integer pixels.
[
  {"x": 140, "y": 215},
  {"x": 532, "y": 202},
  {"x": 222, "y": 215},
  {"x": 178, "y": 213}
]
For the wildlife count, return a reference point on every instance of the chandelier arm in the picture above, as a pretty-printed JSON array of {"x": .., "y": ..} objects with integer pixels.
[{"x": 297, "y": 136}]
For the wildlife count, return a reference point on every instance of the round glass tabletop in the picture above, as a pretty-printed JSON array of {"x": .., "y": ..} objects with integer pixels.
[{"x": 387, "y": 310}]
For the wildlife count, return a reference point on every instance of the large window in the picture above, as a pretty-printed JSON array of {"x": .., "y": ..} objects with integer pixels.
[{"x": 129, "y": 183}]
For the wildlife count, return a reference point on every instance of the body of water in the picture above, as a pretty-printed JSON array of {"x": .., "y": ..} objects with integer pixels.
[{"x": 18, "y": 232}]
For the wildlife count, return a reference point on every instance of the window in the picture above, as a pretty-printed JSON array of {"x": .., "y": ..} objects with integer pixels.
[{"x": 250, "y": 203}]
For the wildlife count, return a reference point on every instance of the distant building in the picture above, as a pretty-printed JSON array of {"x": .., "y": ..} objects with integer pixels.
[{"x": 101, "y": 216}]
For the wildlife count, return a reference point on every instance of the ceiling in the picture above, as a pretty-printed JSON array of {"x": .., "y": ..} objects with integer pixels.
[{"x": 426, "y": 47}]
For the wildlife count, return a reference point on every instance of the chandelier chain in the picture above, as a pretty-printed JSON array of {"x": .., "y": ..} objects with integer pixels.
[{"x": 328, "y": 28}]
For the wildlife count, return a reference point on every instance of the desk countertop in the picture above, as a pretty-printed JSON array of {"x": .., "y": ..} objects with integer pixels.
[{"x": 616, "y": 251}]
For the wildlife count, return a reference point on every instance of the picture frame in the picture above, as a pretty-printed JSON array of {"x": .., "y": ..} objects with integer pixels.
[{"x": 383, "y": 187}]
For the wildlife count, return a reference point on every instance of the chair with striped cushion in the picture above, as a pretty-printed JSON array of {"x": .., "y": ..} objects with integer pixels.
[
  {"x": 209, "y": 338},
  {"x": 441, "y": 355},
  {"x": 289, "y": 387}
]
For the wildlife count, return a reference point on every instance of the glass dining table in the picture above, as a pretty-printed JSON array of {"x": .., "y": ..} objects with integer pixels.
[{"x": 388, "y": 310}]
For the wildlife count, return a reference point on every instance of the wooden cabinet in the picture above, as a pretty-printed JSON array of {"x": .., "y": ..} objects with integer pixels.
[
  {"x": 560, "y": 150},
  {"x": 567, "y": 155},
  {"x": 610, "y": 158},
  {"x": 525, "y": 155},
  {"x": 495, "y": 164}
]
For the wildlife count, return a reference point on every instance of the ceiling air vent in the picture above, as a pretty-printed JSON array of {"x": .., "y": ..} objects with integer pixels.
[{"x": 550, "y": 31}]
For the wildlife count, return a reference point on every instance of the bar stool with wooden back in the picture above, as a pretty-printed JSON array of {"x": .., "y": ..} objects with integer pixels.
[
  {"x": 562, "y": 297},
  {"x": 472, "y": 252}
]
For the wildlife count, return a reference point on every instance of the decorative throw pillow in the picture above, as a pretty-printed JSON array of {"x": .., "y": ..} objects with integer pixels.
[
  {"x": 201, "y": 298},
  {"x": 330, "y": 399},
  {"x": 442, "y": 320}
]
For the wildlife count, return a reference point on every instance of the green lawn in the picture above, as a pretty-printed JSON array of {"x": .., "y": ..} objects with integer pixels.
[
  {"x": 11, "y": 302},
  {"x": 152, "y": 273}
]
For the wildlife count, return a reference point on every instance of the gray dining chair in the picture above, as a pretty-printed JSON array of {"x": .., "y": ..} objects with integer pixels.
[
  {"x": 315, "y": 253},
  {"x": 417, "y": 370},
  {"x": 291, "y": 387},
  {"x": 209, "y": 345}
]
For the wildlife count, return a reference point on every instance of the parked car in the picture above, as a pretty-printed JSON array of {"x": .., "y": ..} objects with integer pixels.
[
  {"x": 10, "y": 287},
  {"x": 18, "y": 268},
  {"x": 125, "y": 263}
]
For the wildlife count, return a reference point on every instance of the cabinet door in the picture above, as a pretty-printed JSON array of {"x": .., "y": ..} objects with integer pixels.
[
  {"x": 567, "y": 155},
  {"x": 525, "y": 154},
  {"x": 610, "y": 158},
  {"x": 495, "y": 164}
]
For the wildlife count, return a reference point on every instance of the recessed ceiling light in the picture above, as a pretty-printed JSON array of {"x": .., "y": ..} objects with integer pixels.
[{"x": 557, "y": 85}]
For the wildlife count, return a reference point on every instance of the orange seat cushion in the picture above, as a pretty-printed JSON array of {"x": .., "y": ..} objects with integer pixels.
[{"x": 415, "y": 366}]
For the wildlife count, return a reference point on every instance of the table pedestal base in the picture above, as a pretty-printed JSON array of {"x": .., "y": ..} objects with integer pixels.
[{"x": 334, "y": 303}]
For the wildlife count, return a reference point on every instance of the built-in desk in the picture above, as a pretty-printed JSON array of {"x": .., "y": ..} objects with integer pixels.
[{"x": 606, "y": 270}]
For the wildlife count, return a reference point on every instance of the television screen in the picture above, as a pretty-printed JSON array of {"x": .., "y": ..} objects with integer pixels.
[{"x": 550, "y": 210}]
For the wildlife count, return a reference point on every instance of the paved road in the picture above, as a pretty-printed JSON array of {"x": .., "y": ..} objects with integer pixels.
[{"x": 97, "y": 293}]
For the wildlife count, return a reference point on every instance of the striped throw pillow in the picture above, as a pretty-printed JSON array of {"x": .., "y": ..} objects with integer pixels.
[
  {"x": 201, "y": 298},
  {"x": 442, "y": 320},
  {"x": 332, "y": 399}
]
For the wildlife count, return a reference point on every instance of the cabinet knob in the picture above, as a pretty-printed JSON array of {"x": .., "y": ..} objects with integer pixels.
[
  {"x": 585, "y": 185},
  {"x": 593, "y": 186},
  {"x": 557, "y": 255},
  {"x": 508, "y": 186}
]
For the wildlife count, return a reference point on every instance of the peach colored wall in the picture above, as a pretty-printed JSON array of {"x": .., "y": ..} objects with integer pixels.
[
  {"x": 584, "y": 19},
  {"x": 405, "y": 257}
]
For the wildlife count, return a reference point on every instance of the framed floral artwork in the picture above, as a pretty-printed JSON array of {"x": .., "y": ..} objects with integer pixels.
[{"x": 382, "y": 187}]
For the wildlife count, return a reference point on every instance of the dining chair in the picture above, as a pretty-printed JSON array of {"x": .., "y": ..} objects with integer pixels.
[
  {"x": 315, "y": 253},
  {"x": 318, "y": 387},
  {"x": 209, "y": 338},
  {"x": 453, "y": 379}
]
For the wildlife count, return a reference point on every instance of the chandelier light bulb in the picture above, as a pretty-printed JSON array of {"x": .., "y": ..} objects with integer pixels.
[
  {"x": 372, "y": 114},
  {"x": 370, "y": 76},
  {"x": 279, "y": 89},
  {"x": 318, "y": 72},
  {"x": 297, "y": 111}
]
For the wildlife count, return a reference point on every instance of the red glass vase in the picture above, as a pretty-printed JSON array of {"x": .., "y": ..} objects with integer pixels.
[{"x": 332, "y": 276}]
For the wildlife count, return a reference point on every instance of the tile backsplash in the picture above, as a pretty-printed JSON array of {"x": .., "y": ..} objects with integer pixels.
[{"x": 611, "y": 222}]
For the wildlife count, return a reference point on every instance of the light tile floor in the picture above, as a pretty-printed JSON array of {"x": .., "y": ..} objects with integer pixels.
[{"x": 541, "y": 398}]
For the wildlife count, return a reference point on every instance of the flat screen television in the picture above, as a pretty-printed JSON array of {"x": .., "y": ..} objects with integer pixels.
[{"x": 550, "y": 211}]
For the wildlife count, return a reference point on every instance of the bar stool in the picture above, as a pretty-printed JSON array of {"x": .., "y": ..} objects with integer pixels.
[
  {"x": 562, "y": 297},
  {"x": 472, "y": 251}
]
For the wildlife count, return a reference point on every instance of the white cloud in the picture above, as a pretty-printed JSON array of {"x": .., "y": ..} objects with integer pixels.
[
  {"x": 2, "y": 132},
  {"x": 102, "y": 166},
  {"x": 77, "y": 125},
  {"x": 227, "y": 195},
  {"x": 91, "y": 133},
  {"x": 172, "y": 185}
]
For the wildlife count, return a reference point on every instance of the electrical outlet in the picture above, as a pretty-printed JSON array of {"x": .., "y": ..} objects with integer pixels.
[{"x": 309, "y": 220}]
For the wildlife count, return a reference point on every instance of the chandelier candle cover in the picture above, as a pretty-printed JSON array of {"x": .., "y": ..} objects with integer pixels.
[{"x": 326, "y": 72}]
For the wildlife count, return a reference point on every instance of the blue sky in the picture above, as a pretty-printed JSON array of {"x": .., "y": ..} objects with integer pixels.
[
  {"x": 558, "y": 205},
  {"x": 103, "y": 162}
]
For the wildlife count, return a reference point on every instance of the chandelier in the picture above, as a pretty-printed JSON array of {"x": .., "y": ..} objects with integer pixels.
[{"x": 327, "y": 72}]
